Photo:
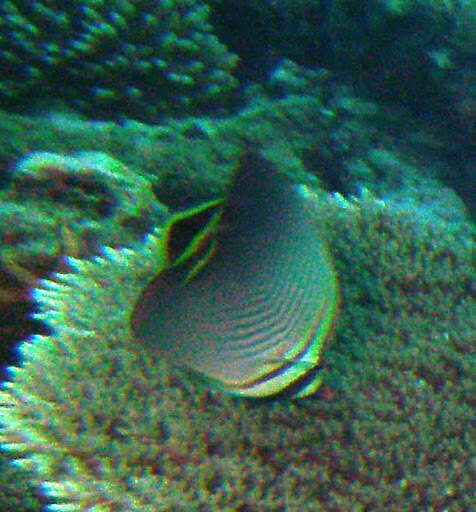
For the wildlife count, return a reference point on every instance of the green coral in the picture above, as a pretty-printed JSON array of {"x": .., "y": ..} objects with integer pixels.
[
  {"x": 106, "y": 426},
  {"x": 97, "y": 200},
  {"x": 16, "y": 493},
  {"x": 56, "y": 205},
  {"x": 136, "y": 58}
]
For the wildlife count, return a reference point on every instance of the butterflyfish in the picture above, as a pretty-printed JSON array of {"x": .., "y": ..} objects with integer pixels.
[{"x": 248, "y": 302}]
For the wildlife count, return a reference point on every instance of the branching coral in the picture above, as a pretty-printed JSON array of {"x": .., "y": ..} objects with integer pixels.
[
  {"x": 140, "y": 58},
  {"x": 16, "y": 492},
  {"x": 106, "y": 426},
  {"x": 57, "y": 205}
]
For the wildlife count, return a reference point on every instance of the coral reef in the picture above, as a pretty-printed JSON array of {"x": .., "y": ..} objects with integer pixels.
[
  {"x": 417, "y": 52},
  {"x": 91, "y": 182},
  {"x": 113, "y": 58},
  {"x": 106, "y": 426},
  {"x": 57, "y": 205},
  {"x": 330, "y": 134},
  {"x": 16, "y": 492},
  {"x": 96, "y": 422}
]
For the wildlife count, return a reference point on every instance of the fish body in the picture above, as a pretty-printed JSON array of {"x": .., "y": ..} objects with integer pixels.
[{"x": 253, "y": 313}]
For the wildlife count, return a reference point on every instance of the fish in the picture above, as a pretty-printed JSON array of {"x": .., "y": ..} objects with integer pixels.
[{"x": 249, "y": 295}]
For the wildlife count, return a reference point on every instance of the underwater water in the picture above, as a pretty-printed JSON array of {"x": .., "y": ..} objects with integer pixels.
[{"x": 237, "y": 255}]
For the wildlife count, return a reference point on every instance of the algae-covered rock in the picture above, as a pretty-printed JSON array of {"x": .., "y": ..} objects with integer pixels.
[
  {"x": 329, "y": 134},
  {"x": 417, "y": 52},
  {"x": 92, "y": 183}
]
